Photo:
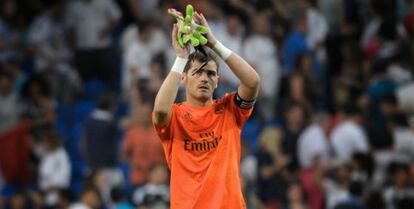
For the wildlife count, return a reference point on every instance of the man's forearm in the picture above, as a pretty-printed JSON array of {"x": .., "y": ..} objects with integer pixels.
[
  {"x": 168, "y": 92},
  {"x": 243, "y": 71},
  {"x": 250, "y": 80},
  {"x": 246, "y": 74}
]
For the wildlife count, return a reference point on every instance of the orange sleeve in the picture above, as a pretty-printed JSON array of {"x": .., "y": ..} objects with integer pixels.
[
  {"x": 165, "y": 133},
  {"x": 241, "y": 114}
]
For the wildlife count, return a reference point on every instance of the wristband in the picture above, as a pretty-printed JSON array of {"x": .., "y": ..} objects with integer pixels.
[
  {"x": 179, "y": 65},
  {"x": 222, "y": 51}
]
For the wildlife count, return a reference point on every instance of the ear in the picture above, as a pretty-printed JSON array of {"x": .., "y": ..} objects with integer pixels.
[{"x": 184, "y": 78}]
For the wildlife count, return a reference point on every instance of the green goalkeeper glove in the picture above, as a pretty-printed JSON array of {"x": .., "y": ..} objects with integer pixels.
[{"x": 189, "y": 30}]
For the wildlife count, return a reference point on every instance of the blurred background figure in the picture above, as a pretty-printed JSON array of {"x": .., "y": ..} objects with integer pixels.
[
  {"x": 52, "y": 56},
  {"x": 231, "y": 33},
  {"x": 295, "y": 198},
  {"x": 140, "y": 48},
  {"x": 351, "y": 60},
  {"x": 313, "y": 142},
  {"x": 260, "y": 51},
  {"x": 99, "y": 145},
  {"x": 155, "y": 193},
  {"x": 348, "y": 137},
  {"x": 54, "y": 168},
  {"x": 11, "y": 109},
  {"x": 11, "y": 32},
  {"x": 89, "y": 199},
  {"x": 118, "y": 199},
  {"x": 91, "y": 24},
  {"x": 141, "y": 147}
]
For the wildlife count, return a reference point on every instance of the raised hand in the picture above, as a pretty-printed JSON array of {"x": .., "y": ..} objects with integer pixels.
[
  {"x": 200, "y": 19},
  {"x": 179, "y": 51}
]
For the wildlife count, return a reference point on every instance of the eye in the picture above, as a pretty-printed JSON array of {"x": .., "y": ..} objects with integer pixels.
[
  {"x": 211, "y": 74},
  {"x": 198, "y": 73}
]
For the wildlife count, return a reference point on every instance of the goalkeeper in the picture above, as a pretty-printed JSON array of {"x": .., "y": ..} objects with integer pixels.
[{"x": 201, "y": 136}]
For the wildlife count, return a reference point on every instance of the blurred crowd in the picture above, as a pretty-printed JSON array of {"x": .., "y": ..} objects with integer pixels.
[{"x": 333, "y": 127}]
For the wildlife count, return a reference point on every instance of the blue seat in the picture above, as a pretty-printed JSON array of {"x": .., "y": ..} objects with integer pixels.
[
  {"x": 251, "y": 131},
  {"x": 8, "y": 190},
  {"x": 83, "y": 109},
  {"x": 73, "y": 145},
  {"x": 62, "y": 128},
  {"x": 93, "y": 88},
  {"x": 122, "y": 109}
]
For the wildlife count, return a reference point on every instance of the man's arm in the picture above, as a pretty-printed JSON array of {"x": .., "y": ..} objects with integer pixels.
[
  {"x": 249, "y": 79},
  {"x": 168, "y": 91}
]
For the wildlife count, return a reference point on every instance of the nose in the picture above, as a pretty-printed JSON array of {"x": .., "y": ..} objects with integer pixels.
[{"x": 204, "y": 77}]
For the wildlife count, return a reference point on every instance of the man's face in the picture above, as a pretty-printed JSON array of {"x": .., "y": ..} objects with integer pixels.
[{"x": 200, "y": 84}]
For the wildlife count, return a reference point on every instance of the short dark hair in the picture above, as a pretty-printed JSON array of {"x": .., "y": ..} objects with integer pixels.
[
  {"x": 356, "y": 189},
  {"x": 106, "y": 101},
  {"x": 352, "y": 109},
  {"x": 398, "y": 119},
  {"x": 380, "y": 66},
  {"x": 6, "y": 74},
  {"x": 389, "y": 99},
  {"x": 52, "y": 137},
  {"x": 203, "y": 58},
  {"x": 117, "y": 194},
  {"x": 39, "y": 81}
]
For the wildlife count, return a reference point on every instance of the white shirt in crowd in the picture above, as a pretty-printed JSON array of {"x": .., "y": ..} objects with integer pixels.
[
  {"x": 261, "y": 53},
  {"x": 312, "y": 143},
  {"x": 404, "y": 144},
  {"x": 234, "y": 43},
  {"x": 10, "y": 110},
  {"x": 335, "y": 194},
  {"x": 49, "y": 36},
  {"x": 371, "y": 31},
  {"x": 318, "y": 28},
  {"x": 248, "y": 168},
  {"x": 399, "y": 74},
  {"x": 89, "y": 19},
  {"x": 392, "y": 194},
  {"x": 347, "y": 138},
  {"x": 382, "y": 159},
  {"x": 79, "y": 206},
  {"x": 160, "y": 193},
  {"x": 138, "y": 55},
  {"x": 405, "y": 97},
  {"x": 54, "y": 170}
]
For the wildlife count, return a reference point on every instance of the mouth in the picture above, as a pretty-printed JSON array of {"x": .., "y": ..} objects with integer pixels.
[{"x": 203, "y": 88}]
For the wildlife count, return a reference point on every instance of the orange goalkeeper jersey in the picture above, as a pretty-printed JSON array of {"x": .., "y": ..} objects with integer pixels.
[{"x": 202, "y": 147}]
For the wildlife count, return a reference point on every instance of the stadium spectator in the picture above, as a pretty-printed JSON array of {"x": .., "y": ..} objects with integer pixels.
[
  {"x": 118, "y": 199},
  {"x": 11, "y": 32},
  {"x": 91, "y": 24},
  {"x": 11, "y": 107},
  {"x": 349, "y": 136},
  {"x": 54, "y": 168},
  {"x": 89, "y": 199},
  {"x": 52, "y": 55},
  {"x": 141, "y": 147},
  {"x": 99, "y": 144},
  {"x": 155, "y": 193},
  {"x": 261, "y": 52},
  {"x": 313, "y": 142}
]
